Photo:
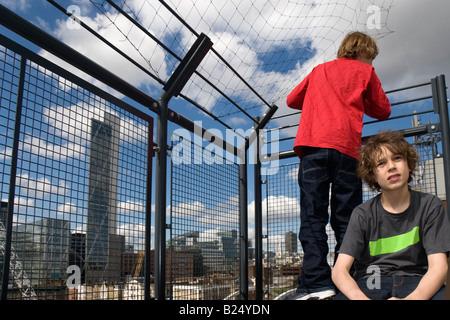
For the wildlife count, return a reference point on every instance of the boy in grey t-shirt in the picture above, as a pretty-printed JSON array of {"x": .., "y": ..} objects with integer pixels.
[{"x": 398, "y": 241}]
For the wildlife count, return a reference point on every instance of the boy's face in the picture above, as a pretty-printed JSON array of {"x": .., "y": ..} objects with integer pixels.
[{"x": 391, "y": 171}]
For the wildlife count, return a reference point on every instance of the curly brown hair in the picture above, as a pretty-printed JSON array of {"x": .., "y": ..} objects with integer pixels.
[
  {"x": 357, "y": 43},
  {"x": 396, "y": 143}
]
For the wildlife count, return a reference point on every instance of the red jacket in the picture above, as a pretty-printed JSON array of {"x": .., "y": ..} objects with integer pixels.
[{"x": 333, "y": 99}]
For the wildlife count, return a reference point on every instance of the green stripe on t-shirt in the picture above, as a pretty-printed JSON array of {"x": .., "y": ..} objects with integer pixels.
[{"x": 395, "y": 243}]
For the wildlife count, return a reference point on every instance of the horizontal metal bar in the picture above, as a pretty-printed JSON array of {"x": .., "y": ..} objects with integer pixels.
[
  {"x": 287, "y": 115},
  {"x": 409, "y": 132},
  {"x": 408, "y": 88},
  {"x": 399, "y": 117},
  {"x": 411, "y": 100},
  {"x": 284, "y": 127},
  {"x": 415, "y": 131}
]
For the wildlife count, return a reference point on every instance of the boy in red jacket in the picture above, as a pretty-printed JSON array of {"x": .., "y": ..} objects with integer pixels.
[{"x": 333, "y": 99}]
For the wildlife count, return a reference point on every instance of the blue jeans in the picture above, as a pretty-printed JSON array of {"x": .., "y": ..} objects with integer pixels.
[
  {"x": 392, "y": 286},
  {"x": 319, "y": 169}
]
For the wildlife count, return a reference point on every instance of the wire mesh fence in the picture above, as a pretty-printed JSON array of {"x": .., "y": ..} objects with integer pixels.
[
  {"x": 283, "y": 256},
  {"x": 255, "y": 60},
  {"x": 76, "y": 164},
  {"x": 203, "y": 249}
]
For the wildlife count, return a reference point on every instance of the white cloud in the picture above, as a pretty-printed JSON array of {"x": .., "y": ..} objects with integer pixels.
[
  {"x": 38, "y": 187},
  {"x": 126, "y": 40},
  {"x": 72, "y": 126},
  {"x": 67, "y": 208},
  {"x": 5, "y": 154},
  {"x": 39, "y": 146},
  {"x": 22, "y": 203},
  {"x": 293, "y": 174},
  {"x": 131, "y": 206},
  {"x": 281, "y": 208},
  {"x": 134, "y": 234},
  {"x": 194, "y": 209}
]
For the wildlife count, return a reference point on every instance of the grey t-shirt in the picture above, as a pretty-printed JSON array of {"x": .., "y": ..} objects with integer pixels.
[{"x": 398, "y": 244}]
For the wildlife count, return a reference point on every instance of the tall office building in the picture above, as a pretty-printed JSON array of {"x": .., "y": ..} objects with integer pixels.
[
  {"x": 3, "y": 212},
  {"x": 101, "y": 231},
  {"x": 77, "y": 252},
  {"x": 290, "y": 242}
]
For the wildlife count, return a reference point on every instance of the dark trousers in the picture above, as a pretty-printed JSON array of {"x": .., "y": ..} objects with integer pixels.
[
  {"x": 392, "y": 286},
  {"x": 319, "y": 170}
]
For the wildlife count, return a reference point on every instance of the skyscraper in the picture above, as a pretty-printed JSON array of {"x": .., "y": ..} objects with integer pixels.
[
  {"x": 102, "y": 198},
  {"x": 290, "y": 242}
]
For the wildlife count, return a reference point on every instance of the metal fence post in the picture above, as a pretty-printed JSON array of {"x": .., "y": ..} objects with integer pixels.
[
  {"x": 12, "y": 183},
  {"x": 243, "y": 227},
  {"x": 148, "y": 215},
  {"x": 160, "y": 200},
  {"x": 258, "y": 219},
  {"x": 172, "y": 88},
  {"x": 440, "y": 103}
]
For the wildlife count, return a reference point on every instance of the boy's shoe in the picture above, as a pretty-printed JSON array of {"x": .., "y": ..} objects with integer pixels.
[{"x": 316, "y": 294}]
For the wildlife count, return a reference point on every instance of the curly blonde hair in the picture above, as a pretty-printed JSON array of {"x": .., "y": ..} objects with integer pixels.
[
  {"x": 358, "y": 44},
  {"x": 396, "y": 143}
]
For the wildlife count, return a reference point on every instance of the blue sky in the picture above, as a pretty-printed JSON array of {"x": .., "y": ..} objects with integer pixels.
[{"x": 412, "y": 50}]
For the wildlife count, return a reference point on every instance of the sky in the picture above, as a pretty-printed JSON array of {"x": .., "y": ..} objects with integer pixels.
[{"x": 274, "y": 47}]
